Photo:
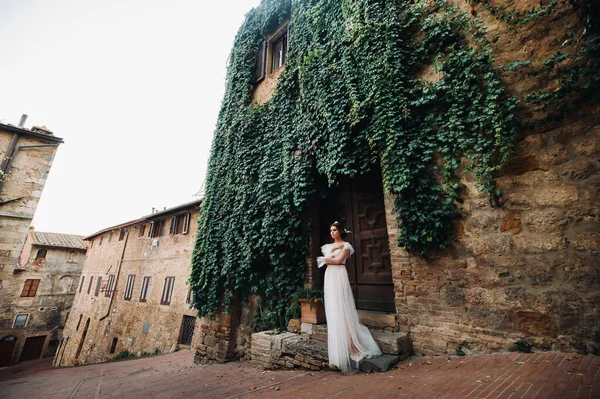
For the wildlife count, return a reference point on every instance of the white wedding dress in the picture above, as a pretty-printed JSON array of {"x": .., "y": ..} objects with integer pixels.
[{"x": 346, "y": 337}]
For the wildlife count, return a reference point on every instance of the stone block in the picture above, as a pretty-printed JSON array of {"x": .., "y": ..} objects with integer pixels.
[
  {"x": 392, "y": 343},
  {"x": 579, "y": 169},
  {"x": 556, "y": 195},
  {"x": 544, "y": 220},
  {"x": 379, "y": 364},
  {"x": 378, "y": 320},
  {"x": 511, "y": 223},
  {"x": 538, "y": 243},
  {"x": 294, "y": 326},
  {"x": 306, "y": 328}
]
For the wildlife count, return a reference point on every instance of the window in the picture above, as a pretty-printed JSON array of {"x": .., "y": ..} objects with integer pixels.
[
  {"x": 41, "y": 254},
  {"x": 66, "y": 317},
  {"x": 101, "y": 239},
  {"x": 79, "y": 322},
  {"x": 30, "y": 288},
  {"x": 110, "y": 236},
  {"x": 271, "y": 55},
  {"x": 155, "y": 229},
  {"x": 109, "y": 285},
  {"x": 113, "y": 346},
  {"x": 81, "y": 283},
  {"x": 190, "y": 297},
  {"x": 142, "y": 230},
  {"x": 20, "y": 320},
  {"x": 167, "y": 291},
  {"x": 98, "y": 286},
  {"x": 278, "y": 52},
  {"x": 121, "y": 234},
  {"x": 145, "y": 287},
  {"x": 90, "y": 285},
  {"x": 180, "y": 224},
  {"x": 129, "y": 286}
]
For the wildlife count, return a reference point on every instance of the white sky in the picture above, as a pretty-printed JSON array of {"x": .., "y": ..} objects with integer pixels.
[{"x": 133, "y": 87}]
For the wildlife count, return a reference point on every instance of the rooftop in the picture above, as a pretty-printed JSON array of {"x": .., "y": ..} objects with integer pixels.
[
  {"x": 152, "y": 216},
  {"x": 41, "y": 132},
  {"x": 57, "y": 240}
]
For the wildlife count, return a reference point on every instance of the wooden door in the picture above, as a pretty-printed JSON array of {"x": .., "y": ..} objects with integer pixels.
[
  {"x": 358, "y": 204},
  {"x": 7, "y": 346},
  {"x": 33, "y": 347}
]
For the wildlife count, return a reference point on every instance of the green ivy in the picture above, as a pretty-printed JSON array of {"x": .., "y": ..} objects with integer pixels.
[{"x": 351, "y": 95}]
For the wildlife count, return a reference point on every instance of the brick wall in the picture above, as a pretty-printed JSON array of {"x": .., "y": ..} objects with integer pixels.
[{"x": 140, "y": 327}]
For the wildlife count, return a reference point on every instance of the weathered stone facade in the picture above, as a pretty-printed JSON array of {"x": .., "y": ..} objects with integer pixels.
[
  {"x": 526, "y": 270},
  {"x": 133, "y": 295},
  {"x": 40, "y": 295},
  {"x": 26, "y": 158}
]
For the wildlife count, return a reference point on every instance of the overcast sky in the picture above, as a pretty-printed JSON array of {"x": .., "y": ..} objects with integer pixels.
[{"x": 132, "y": 86}]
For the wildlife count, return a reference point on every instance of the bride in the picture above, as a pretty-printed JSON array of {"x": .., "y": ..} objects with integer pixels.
[{"x": 346, "y": 338}]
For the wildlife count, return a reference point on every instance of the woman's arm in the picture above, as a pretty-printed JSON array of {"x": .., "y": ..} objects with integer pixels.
[{"x": 340, "y": 259}]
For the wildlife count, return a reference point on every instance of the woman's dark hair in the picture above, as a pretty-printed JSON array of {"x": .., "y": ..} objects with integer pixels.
[{"x": 340, "y": 228}]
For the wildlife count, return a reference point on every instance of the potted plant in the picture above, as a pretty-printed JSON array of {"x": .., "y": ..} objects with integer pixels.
[{"x": 312, "y": 308}]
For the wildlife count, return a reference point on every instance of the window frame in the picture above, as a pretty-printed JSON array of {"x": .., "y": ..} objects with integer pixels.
[
  {"x": 40, "y": 252},
  {"x": 27, "y": 316},
  {"x": 129, "y": 287},
  {"x": 156, "y": 228},
  {"x": 168, "y": 288},
  {"x": 34, "y": 284},
  {"x": 145, "y": 288},
  {"x": 109, "y": 285}
]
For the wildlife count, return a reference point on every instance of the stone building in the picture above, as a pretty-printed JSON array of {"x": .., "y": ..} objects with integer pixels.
[
  {"x": 522, "y": 273},
  {"x": 133, "y": 294},
  {"x": 26, "y": 158},
  {"x": 38, "y": 300}
]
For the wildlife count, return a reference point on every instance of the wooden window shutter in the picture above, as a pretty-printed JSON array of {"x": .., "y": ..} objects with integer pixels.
[
  {"x": 151, "y": 230},
  {"x": 260, "y": 64},
  {"x": 26, "y": 288}
]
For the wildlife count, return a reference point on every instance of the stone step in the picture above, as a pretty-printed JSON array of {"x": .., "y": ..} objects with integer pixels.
[
  {"x": 379, "y": 364},
  {"x": 377, "y": 320},
  {"x": 390, "y": 343}
]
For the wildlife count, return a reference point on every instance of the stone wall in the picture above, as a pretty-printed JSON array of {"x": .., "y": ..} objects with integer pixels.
[
  {"x": 527, "y": 270},
  {"x": 20, "y": 191},
  {"x": 140, "y": 327},
  {"x": 48, "y": 310}
]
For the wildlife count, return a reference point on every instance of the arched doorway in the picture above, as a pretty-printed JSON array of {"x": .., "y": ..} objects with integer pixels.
[
  {"x": 7, "y": 347},
  {"x": 358, "y": 204}
]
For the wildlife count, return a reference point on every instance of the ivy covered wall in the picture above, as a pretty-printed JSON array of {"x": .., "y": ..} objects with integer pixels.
[{"x": 415, "y": 86}]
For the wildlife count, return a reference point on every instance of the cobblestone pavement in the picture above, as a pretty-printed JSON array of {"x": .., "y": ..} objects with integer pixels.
[{"x": 513, "y": 375}]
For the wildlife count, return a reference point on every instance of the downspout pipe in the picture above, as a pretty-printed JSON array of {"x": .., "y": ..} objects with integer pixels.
[{"x": 112, "y": 294}]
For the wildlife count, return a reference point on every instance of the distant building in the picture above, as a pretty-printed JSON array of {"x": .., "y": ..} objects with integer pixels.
[
  {"x": 39, "y": 296},
  {"x": 25, "y": 160},
  {"x": 133, "y": 294}
]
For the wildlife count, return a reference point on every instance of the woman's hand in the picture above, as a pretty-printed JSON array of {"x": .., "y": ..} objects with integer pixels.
[{"x": 340, "y": 259}]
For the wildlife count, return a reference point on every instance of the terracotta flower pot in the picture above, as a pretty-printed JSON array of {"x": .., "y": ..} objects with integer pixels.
[{"x": 312, "y": 311}]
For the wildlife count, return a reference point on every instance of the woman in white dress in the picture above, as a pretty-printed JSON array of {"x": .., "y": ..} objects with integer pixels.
[{"x": 347, "y": 339}]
